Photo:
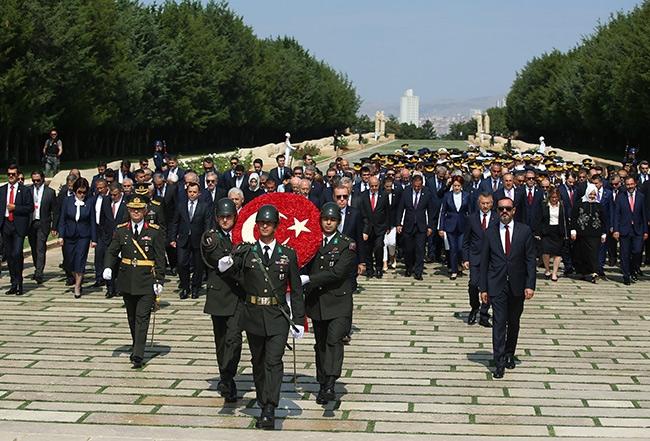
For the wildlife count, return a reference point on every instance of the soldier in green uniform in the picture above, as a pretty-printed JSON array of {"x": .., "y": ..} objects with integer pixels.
[
  {"x": 224, "y": 299},
  {"x": 141, "y": 270},
  {"x": 328, "y": 299},
  {"x": 265, "y": 267}
]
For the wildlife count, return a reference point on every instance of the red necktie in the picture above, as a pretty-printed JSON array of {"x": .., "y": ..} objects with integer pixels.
[
  {"x": 484, "y": 224},
  {"x": 571, "y": 196},
  {"x": 373, "y": 202},
  {"x": 530, "y": 197},
  {"x": 11, "y": 201},
  {"x": 631, "y": 202},
  {"x": 507, "y": 240}
]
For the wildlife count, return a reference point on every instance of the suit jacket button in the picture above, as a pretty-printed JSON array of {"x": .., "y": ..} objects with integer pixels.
[{"x": 265, "y": 291}]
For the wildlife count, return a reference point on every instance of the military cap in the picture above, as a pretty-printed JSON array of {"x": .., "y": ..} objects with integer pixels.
[
  {"x": 137, "y": 201},
  {"x": 141, "y": 188}
]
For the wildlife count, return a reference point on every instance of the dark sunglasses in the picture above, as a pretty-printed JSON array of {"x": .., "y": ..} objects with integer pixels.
[
  {"x": 342, "y": 196},
  {"x": 211, "y": 181},
  {"x": 81, "y": 191},
  {"x": 12, "y": 174},
  {"x": 504, "y": 208}
]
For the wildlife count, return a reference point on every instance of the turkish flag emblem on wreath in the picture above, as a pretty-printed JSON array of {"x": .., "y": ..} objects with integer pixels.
[{"x": 299, "y": 223}]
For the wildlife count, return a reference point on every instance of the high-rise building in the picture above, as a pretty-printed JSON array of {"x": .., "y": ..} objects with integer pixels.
[{"x": 409, "y": 108}]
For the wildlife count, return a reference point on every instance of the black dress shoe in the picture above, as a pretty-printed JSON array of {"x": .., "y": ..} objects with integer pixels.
[
  {"x": 69, "y": 282},
  {"x": 267, "y": 419},
  {"x": 98, "y": 284},
  {"x": 12, "y": 290},
  {"x": 407, "y": 273},
  {"x": 498, "y": 372},
  {"x": 137, "y": 362},
  {"x": 379, "y": 274},
  {"x": 329, "y": 393},
  {"x": 184, "y": 294},
  {"x": 639, "y": 273},
  {"x": 370, "y": 274},
  {"x": 224, "y": 387},
  {"x": 174, "y": 271},
  {"x": 633, "y": 277},
  {"x": 20, "y": 290},
  {"x": 195, "y": 294},
  {"x": 232, "y": 398},
  {"x": 39, "y": 279},
  {"x": 510, "y": 362},
  {"x": 471, "y": 319},
  {"x": 569, "y": 271},
  {"x": 418, "y": 277},
  {"x": 485, "y": 323},
  {"x": 110, "y": 292},
  {"x": 320, "y": 398},
  {"x": 626, "y": 281}
]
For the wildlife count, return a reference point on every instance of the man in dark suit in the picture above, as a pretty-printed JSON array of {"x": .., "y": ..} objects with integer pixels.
[
  {"x": 125, "y": 171},
  {"x": 277, "y": 173},
  {"x": 173, "y": 169},
  {"x": 316, "y": 188},
  {"x": 17, "y": 206},
  {"x": 265, "y": 316},
  {"x": 437, "y": 184},
  {"x": 44, "y": 205},
  {"x": 630, "y": 229},
  {"x": 414, "y": 220},
  {"x": 507, "y": 277},
  {"x": 363, "y": 185},
  {"x": 570, "y": 195},
  {"x": 477, "y": 223},
  {"x": 508, "y": 190},
  {"x": 352, "y": 226},
  {"x": 101, "y": 193},
  {"x": 229, "y": 174},
  {"x": 167, "y": 194},
  {"x": 137, "y": 249},
  {"x": 304, "y": 189},
  {"x": 376, "y": 224},
  {"x": 212, "y": 193},
  {"x": 530, "y": 201},
  {"x": 101, "y": 174},
  {"x": 208, "y": 167},
  {"x": 112, "y": 213},
  {"x": 328, "y": 300},
  {"x": 494, "y": 181},
  {"x": 224, "y": 298},
  {"x": 190, "y": 221}
]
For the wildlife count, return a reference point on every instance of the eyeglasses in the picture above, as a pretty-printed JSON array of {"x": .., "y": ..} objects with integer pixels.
[
  {"x": 52, "y": 134},
  {"x": 530, "y": 177},
  {"x": 12, "y": 174},
  {"x": 211, "y": 181},
  {"x": 36, "y": 180},
  {"x": 342, "y": 196},
  {"x": 81, "y": 191},
  {"x": 545, "y": 187},
  {"x": 234, "y": 163},
  {"x": 504, "y": 208}
]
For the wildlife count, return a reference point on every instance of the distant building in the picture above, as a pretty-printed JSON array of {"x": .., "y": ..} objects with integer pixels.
[
  {"x": 501, "y": 103},
  {"x": 409, "y": 108}
]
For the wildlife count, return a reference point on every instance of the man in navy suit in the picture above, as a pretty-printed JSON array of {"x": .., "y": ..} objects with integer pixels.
[
  {"x": 377, "y": 223},
  {"x": 530, "y": 200},
  {"x": 508, "y": 190},
  {"x": 112, "y": 213},
  {"x": 17, "y": 206},
  {"x": 494, "y": 181},
  {"x": 570, "y": 194},
  {"x": 305, "y": 190},
  {"x": 208, "y": 167},
  {"x": 278, "y": 173},
  {"x": 44, "y": 205},
  {"x": 477, "y": 223},
  {"x": 415, "y": 219},
  {"x": 101, "y": 174},
  {"x": 507, "y": 278},
  {"x": 173, "y": 169},
  {"x": 191, "y": 220},
  {"x": 630, "y": 229}
]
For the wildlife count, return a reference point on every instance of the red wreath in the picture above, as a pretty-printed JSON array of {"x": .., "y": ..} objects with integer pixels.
[{"x": 299, "y": 223}]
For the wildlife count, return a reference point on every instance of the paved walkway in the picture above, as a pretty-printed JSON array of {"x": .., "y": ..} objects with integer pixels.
[{"x": 413, "y": 368}]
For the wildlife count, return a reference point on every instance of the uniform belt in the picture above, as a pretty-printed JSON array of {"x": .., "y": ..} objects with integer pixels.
[
  {"x": 137, "y": 262},
  {"x": 263, "y": 301}
]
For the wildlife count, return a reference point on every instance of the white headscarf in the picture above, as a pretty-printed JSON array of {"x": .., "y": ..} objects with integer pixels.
[
  {"x": 257, "y": 179},
  {"x": 590, "y": 188}
]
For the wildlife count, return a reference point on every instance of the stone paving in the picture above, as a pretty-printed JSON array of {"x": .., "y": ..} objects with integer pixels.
[{"x": 414, "y": 368}]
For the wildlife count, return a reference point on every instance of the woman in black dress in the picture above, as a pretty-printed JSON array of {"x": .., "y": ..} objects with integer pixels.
[
  {"x": 588, "y": 230},
  {"x": 552, "y": 231},
  {"x": 77, "y": 230},
  {"x": 253, "y": 189}
]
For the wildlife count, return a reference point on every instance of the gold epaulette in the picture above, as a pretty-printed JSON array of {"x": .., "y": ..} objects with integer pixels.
[
  {"x": 155, "y": 202},
  {"x": 122, "y": 225},
  {"x": 155, "y": 226}
]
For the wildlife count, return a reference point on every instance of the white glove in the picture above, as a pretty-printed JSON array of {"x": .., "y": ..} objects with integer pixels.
[
  {"x": 304, "y": 279},
  {"x": 224, "y": 263},
  {"x": 157, "y": 288},
  {"x": 299, "y": 333},
  {"x": 107, "y": 274}
]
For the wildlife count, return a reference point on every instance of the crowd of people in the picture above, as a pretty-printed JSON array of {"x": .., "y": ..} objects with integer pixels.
[{"x": 497, "y": 216}]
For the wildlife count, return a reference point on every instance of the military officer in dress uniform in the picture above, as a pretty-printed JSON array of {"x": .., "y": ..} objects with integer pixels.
[
  {"x": 224, "y": 299},
  {"x": 265, "y": 268},
  {"x": 328, "y": 301},
  {"x": 155, "y": 211},
  {"x": 141, "y": 270}
]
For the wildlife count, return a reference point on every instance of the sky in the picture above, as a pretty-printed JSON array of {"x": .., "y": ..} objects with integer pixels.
[{"x": 454, "y": 50}]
